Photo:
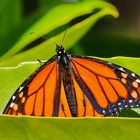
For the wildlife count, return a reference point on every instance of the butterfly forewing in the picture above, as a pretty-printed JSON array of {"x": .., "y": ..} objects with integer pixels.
[{"x": 37, "y": 92}]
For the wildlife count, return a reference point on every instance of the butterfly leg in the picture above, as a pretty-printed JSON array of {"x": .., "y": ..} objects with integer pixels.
[{"x": 41, "y": 62}]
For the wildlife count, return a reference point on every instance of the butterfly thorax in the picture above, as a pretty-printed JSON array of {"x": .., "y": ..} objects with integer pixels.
[{"x": 62, "y": 57}]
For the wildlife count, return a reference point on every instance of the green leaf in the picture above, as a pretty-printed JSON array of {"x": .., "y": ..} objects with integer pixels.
[
  {"x": 57, "y": 17},
  {"x": 34, "y": 128}
]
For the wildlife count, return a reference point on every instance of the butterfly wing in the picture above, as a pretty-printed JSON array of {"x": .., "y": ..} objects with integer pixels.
[
  {"x": 101, "y": 89},
  {"x": 108, "y": 88},
  {"x": 41, "y": 94},
  {"x": 38, "y": 94}
]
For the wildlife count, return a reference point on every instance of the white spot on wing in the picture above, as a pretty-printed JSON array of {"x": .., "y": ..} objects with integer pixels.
[
  {"x": 120, "y": 108},
  {"x": 130, "y": 101},
  {"x": 138, "y": 80},
  {"x": 109, "y": 63},
  {"x": 122, "y": 69},
  {"x": 11, "y": 105},
  {"x": 123, "y": 101},
  {"x": 133, "y": 74},
  {"x": 119, "y": 103},
  {"x": 115, "y": 109},
  {"x": 20, "y": 88},
  {"x": 126, "y": 106},
  {"x": 13, "y": 97},
  {"x": 103, "y": 111}
]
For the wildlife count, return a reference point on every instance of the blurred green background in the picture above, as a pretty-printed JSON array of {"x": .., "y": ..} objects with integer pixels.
[
  {"x": 117, "y": 37},
  {"x": 107, "y": 38}
]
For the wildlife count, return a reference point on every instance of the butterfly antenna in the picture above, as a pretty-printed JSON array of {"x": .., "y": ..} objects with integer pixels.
[
  {"x": 46, "y": 38},
  {"x": 64, "y": 36}
]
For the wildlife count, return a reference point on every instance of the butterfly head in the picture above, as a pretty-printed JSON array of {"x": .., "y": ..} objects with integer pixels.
[
  {"x": 60, "y": 50},
  {"x": 62, "y": 57}
]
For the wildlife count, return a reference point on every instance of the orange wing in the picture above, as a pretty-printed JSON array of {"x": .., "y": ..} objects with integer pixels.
[
  {"x": 43, "y": 94},
  {"x": 82, "y": 109},
  {"x": 98, "y": 88},
  {"x": 107, "y": 87},
  {"x": 38, "y": 95}
]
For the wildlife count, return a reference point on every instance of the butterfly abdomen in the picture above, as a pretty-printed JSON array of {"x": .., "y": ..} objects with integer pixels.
[{"x": 70, "y": 92}]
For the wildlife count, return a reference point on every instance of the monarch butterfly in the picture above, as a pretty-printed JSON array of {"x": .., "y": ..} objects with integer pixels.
[{"x": 76, "y": 86}]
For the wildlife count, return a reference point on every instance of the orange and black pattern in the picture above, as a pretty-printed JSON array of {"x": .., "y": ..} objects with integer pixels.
[{"x": 74, "y": 86}]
